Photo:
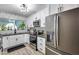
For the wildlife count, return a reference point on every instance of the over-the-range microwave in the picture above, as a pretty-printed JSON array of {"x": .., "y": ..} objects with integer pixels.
[{"x": 36, "y": 23}]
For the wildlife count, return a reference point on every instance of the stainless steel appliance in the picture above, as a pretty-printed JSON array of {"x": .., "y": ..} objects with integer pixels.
[
  {"x": 69, "y": 31},
  {"x": 40, "y": 32},
  {"x": 65, "y": 26},
  {"x": 36, "y": 23},
  {"x": 52, "y": 30},
  {"x": 33, "y": 37}
]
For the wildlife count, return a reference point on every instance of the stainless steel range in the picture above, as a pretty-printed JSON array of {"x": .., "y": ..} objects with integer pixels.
[{"x": 33, "y": 37}]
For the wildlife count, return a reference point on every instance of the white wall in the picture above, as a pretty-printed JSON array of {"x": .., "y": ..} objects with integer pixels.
[
  {"x": 40, "y": 15},
  {"x": 11, "y": 16}
]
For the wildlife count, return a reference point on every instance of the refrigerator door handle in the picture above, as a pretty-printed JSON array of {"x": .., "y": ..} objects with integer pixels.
[
  {"x": 57, "y": 31},
  {"x": 55, "y": 45}
]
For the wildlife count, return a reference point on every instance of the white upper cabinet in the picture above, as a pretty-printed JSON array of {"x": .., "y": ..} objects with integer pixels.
[
  {"x": 53, "y": 8},
  {"x": 57, "y": 8},
  {"x": 65, "y": 7}
]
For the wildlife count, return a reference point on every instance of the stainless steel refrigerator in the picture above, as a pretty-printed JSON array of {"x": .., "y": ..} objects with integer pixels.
[
  {"x": 51, "y": 26},
  {"x": 66, "y": 31}
]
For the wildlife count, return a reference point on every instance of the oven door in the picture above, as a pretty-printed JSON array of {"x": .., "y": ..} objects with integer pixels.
[{"x": 32, "y": 38}]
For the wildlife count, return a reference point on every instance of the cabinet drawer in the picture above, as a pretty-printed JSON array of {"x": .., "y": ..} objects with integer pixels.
[
  {"x": 41, "y": 40},
  {"x": 41, "y": 45},
  {"x": 19, "y": 36},
  {"x": 41, "y": 50},
  {"x": 27, "y": 35}
]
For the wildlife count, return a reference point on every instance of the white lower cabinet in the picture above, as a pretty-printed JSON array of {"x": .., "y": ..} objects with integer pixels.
[
  {"x": 8, "y": 41},
  {"x": 41, "y": 44},
  {"x": 14, "y": 40}
]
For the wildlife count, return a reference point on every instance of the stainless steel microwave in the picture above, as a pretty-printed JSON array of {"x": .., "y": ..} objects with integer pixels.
[{"x": 36, "y": 23}]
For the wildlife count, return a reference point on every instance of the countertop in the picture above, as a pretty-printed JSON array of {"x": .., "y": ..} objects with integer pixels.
[
  {"x": 43, "y": 36},
  {"x": 1, "y": 35}
]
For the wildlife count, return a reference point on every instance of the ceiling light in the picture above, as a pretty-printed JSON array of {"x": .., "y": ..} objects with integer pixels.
[{"x": 24, "y": 7}]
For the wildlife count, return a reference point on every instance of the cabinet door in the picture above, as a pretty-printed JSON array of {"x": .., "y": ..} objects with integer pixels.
[
  {"x": 19, "y": 39},
  {"x": 53, "y": 8},
  {"x": 50, "y": 23},
  {"x": 27, "y": 38},
  {"x": 5, "y": 42},
  {"x": 12, "y": 41},
  {"x": 66, "y": 7}
]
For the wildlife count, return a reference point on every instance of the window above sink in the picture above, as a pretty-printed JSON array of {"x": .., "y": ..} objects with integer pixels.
[{"x": 11, "y": 24}]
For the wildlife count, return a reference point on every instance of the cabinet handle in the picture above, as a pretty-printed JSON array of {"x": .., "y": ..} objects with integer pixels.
[
  {"x": 7, "y": 38},
  {"x": 41, "y": 49},
  {"x": 16, "y": 39},
  {"x": 61, "y": 9},
  {"x": 58, "y": 9},
  {"x": 40, "y": 43},
  {"x": 57, "y": 31},
  {"x": 40, "y": 39}
]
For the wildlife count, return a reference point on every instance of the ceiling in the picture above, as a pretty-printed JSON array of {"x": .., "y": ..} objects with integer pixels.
[{"x": 14, "y": 9}]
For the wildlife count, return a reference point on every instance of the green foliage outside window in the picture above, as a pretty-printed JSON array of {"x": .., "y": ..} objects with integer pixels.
[
  {"x": 2, "y": 27},
  {"x": 22, "y": 26}
]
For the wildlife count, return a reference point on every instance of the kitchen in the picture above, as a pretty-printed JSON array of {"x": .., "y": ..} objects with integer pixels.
[{"x": 37, "y": 28}]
